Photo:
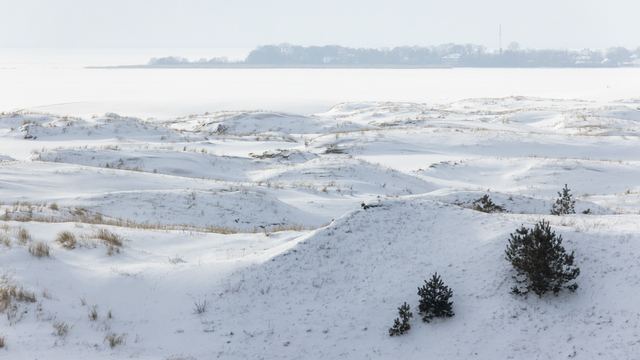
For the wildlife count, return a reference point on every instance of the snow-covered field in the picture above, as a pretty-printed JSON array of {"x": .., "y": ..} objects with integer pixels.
[{"x": 256, "y": 218}]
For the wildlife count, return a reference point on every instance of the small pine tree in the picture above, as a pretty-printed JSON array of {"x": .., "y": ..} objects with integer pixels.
[
  {"x": 398, "y": 327},
  {"x": 564, "y": 204},
  {"x": 540, "y": 260},
  {"x": 485, "y": 204},
  {"x": 434, "y": 299}
]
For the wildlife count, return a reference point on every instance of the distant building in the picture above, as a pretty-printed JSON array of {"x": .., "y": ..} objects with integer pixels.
[
  {"x": 451, "y": 59},
  {"x": 584, "y": 58}
]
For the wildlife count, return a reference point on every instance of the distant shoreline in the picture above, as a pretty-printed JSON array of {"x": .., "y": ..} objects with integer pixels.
[
  {"x": 274, "y": 66},
  {"x": 447, "y": 56},
  {"x": 346, "y": 66}
]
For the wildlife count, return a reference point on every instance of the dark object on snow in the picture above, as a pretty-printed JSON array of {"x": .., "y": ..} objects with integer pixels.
[
  {"x": 398, "y": 327},
  {"x": 365, "y": 207},
  {"x": 485, "y": 204},
  {"x": 540, "y": 260},
  {"x": 564, "y": 204},
  {"x": 434, "y": 299}
]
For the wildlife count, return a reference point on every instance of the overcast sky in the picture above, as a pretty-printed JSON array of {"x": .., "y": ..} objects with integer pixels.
[{"x": 357, "y": 23}]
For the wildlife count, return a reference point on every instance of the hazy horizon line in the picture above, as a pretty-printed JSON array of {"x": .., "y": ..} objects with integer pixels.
[{"x": 288, "y": 43}]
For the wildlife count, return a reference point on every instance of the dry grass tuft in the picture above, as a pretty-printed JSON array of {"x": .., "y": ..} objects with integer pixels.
[
  {"x": 176, "y": 260},
  {"x": 30, "y": 212},
  {"x": 46, "y": 294},
  {"x": 39, "y": 249},
  {"x": 5, "y": 240},
  {"x": 10, "y": 293},
  {"x": 3, "y": 339},
  {"x": 200, "y": 307},
  {"x": 292, "y": 227},
  {"x": 112, "y": 250},
  {"x": 61, "y": 329},
  {"x": 108, "y": 237},
  {"x": 23, "y": 236},
  {"x": 53, "y": 206},
  {"x": 67, "y": 239},
  {"x": 114, "y": 339},
  {"x": 93, "y": 313}
]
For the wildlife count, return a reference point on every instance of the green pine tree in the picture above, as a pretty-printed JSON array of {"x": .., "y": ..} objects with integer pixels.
[
  {"x": 434, "y": 299},
  {"x": 540, "y": 260},
  {"x": 564, "y": 204},
  {"x": 399, "y": 327},
  {"x": 485, "y": 204}
]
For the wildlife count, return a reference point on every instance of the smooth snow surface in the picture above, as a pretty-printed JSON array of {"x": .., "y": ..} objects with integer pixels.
[
  {"x": 257, "y": 217},
  {"x": 61, "y": 85}
]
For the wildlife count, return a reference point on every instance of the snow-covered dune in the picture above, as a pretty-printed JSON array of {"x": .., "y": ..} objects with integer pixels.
[{"x": 275, "y": 235}]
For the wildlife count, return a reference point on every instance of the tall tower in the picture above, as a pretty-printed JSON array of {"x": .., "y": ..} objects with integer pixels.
[{"x": 500, "y": 39}]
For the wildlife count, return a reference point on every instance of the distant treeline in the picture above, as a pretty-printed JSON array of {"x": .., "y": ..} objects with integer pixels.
[
  {"x": 176, "y": 60},
  {"x": 468, "y": 55}
]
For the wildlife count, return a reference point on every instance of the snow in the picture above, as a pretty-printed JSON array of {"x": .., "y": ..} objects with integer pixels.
[
  {"x": 60, "y": 84},
  {"x": 259, "y": 215}
]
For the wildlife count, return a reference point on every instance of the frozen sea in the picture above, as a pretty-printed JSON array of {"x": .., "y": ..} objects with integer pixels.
[{"x": 56, "y": 81}]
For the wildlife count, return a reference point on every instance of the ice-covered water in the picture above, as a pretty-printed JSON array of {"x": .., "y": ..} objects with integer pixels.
[{"x": 57, "y": 81}]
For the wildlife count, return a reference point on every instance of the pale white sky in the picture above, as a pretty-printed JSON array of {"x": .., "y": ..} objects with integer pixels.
[{"x": 355, "y": 23}]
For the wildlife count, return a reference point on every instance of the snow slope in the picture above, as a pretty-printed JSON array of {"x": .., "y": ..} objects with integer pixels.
[{"x": 257, "y": 219}]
